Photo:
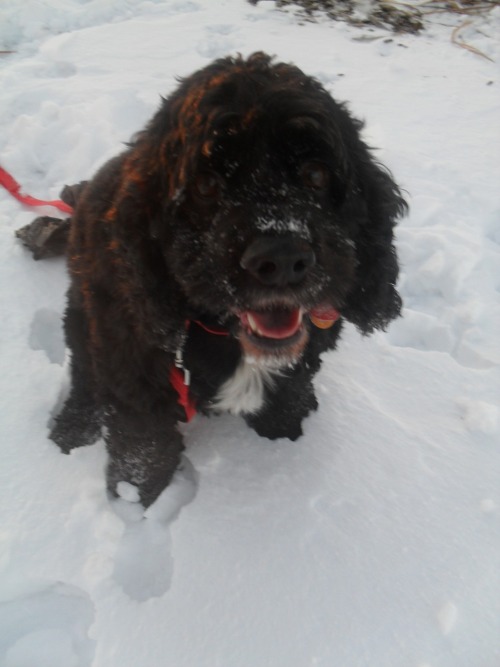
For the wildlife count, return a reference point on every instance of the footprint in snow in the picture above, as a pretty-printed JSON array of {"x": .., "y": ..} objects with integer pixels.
[
  {"x": 421, "y": 332},
  {"x": 46, "y": 334},
  {"x": 218, "y": 41},
  {"x": 61, "y": 69},
  {"x": 47, "y": 628},
  {"x": 144, "y": 562},
  {"x": 461, "y": 337}
]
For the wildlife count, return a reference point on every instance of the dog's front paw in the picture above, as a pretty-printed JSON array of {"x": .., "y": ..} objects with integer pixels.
[
  {"x": 77, "y": 426},
  {"x": 283, "y": 415},
  {"x": 136, "y": 485},
  {"x": 273, "y": 429}
]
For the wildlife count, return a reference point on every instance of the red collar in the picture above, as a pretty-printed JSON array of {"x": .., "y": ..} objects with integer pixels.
[{"x": 211, "y": 330}]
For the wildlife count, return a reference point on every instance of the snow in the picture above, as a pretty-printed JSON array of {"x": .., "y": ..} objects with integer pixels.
[
  {"x": 447, "y": 617},
  {"x": 372, "y": 541}
]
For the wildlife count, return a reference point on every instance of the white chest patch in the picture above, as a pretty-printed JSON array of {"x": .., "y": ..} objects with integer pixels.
[{"x": 243, "y": 393}]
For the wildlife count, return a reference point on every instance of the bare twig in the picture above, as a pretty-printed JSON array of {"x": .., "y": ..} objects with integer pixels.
[{"x": 458, "y": 42}]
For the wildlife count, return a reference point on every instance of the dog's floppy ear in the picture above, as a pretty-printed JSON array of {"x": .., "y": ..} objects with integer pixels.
[{"x": 374, "y": 301}]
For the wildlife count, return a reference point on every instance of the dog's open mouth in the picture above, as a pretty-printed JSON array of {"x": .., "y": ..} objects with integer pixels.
[
  {"x": 277, "y": 332},
  {"x": 281, "y": 330},
  {"x": 278, "y": 324}
]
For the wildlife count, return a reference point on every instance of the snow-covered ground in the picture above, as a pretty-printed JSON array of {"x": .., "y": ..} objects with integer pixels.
[{"x": 373, "y": 541}]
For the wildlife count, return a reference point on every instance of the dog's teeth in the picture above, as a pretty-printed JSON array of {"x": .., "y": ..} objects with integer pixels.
[{"x": 253, "y": 324}]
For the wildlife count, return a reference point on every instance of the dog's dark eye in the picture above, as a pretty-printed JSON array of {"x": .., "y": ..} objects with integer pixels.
[
  {"x": 207, "y": 185},
  {"x": 314, "y": 175}
]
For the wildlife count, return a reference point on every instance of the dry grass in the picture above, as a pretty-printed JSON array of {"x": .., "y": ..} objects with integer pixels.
[{"x": 396, "y": 15}]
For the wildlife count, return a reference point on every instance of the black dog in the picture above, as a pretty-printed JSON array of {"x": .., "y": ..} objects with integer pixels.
[{"x": 226, "y": 243}]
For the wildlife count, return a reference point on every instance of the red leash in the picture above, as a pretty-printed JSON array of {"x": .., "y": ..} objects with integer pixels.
[
  {"x": 13, "y": 187},
  {"x": 179, "y": 377},
  {"x": 178, "y": 381}
]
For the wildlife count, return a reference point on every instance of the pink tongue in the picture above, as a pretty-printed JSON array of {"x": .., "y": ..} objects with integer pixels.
[
  {"x": 276, "y": 324},
  {"x": 324, "y": 317},
  {"x": 325, "y": 313}
]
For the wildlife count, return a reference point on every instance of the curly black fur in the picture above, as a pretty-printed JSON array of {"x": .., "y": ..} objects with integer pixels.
[{"x": 250, "y": 191}]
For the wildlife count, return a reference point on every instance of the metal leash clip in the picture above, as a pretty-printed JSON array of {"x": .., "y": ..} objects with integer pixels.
[{"x": 179, "y": 363}]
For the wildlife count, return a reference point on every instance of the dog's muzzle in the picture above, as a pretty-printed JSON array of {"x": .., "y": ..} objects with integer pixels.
[{"x": 276, "y": 327}]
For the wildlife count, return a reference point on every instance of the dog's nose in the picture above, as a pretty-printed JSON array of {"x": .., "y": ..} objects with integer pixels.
[{"x": 278, "y": 262}]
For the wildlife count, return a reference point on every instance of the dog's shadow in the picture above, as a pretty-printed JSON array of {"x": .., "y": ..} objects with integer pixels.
[{"x": 144, "y": 561}]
